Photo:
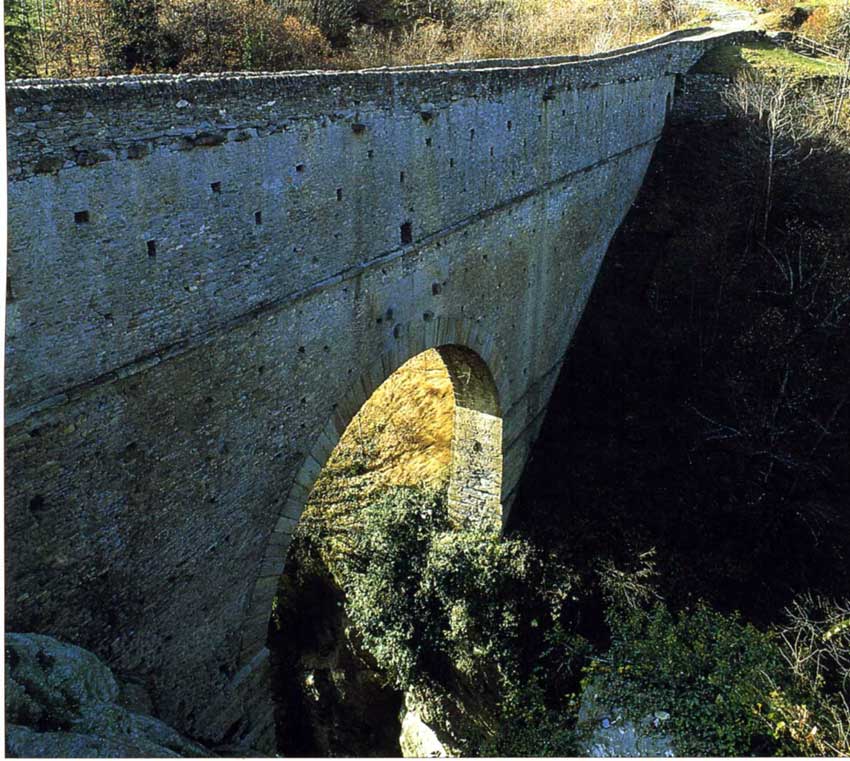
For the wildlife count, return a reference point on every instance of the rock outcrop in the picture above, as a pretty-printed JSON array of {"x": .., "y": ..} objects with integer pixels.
[
  {"x": 62, "y": 701},
  {"x": 417, "y": 738},
  {"x": 607, "y": 733}
]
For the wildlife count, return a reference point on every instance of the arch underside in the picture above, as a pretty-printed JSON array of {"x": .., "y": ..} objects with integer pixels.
[{"x": 475, "y": 481}]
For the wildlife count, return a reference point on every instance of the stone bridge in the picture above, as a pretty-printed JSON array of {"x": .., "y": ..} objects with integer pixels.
[{"x": 208, "y": 275}]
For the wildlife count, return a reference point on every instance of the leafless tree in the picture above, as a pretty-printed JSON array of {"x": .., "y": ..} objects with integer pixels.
[
  {"x": 815, "y": 643},
  {"x": 842, "y": 34},
  {"x": 780, "y": 122}
]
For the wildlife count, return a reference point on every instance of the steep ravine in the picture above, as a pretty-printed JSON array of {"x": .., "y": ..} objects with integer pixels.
[
  {"x": 682, "y": 335},
  {"x": 624, "y": 463},
  {"x": 329, "y": 701}
]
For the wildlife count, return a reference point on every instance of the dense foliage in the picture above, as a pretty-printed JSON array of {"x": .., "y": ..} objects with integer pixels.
[
  {"x": 482, "y": 632},
  {"x": 705, "y": 670},
  {"x": 722, "y": 687},
  {"x": 478, "y": 625}
]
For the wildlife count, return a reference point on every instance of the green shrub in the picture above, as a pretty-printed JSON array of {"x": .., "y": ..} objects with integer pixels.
[
  {"x": 465, "y": 617},
  {"x": 707, "y": 670},
  {"x": 136, "y": 42},
  {"x": 528, "y": 728}
]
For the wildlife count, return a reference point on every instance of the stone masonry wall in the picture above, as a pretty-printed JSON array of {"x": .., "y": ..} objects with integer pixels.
[
  {"x": 208, "y": 274},
  {"x": 701, "y": 97}
]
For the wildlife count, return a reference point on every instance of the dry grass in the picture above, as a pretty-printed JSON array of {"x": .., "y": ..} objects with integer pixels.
[
  {"x": 521, "y": 28},
  {"x": 827, "y": 21},
  {"x": 83, "y": 38},
  {"x": 402, "y": 436}
]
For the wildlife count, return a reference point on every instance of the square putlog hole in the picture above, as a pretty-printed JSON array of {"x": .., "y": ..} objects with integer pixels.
[{"x": 81, "y": 217}]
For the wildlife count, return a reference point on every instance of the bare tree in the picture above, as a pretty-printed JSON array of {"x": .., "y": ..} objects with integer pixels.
[
  {"x": 842, "y": 33},
  {"x": 779, "y": 121},
  {"x": 815, "y": 643}
]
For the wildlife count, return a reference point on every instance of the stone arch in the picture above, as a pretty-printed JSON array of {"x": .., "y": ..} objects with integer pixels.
[{"x": 475, "y": 485}]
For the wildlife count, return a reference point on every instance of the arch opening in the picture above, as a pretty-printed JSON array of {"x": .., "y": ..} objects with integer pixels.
[{"x": 433, "y": 424}]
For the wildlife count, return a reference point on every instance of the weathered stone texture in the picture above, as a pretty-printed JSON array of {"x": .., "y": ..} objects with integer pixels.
[
  {"x": 702, "y": 97},
  {"x": 208, "y": 275},
  {"x": 61, "y": 701}
]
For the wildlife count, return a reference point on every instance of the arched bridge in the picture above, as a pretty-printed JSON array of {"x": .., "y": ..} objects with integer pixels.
[{"x": 208, "y": 275}]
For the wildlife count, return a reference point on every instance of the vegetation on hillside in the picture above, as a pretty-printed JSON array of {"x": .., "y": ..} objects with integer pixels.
[
  {"x": 484, "y": 632},
  {"x": 713, "y": 679},
  {"x": 484, "y": 635},
  {"x": 704, "y": 413},
  {"x": 765, "y": 56},
  {"x": 827, "y": 21},
  {"x": 81, "y": 38}
]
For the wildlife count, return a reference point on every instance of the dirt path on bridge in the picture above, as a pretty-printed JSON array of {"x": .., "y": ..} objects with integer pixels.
[{"x": 728, "y": 16}]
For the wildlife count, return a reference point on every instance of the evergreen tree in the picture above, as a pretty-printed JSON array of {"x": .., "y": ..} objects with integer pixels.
[
  {"x": 135, "y": 44},
  {"x": 19, "y": 36}
]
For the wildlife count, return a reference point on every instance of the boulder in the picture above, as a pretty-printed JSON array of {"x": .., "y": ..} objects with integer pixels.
[
  {"x": 62, "y": 701},
  {"x": 22, "y": 742},
  {"x": 50, "y": 684},
  {"x": 417, "y": 739},
  {"x": 605, "y": 731}
]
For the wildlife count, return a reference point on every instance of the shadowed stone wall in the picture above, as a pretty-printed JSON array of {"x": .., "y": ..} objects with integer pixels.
[{"x": 208, "y": 275}]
